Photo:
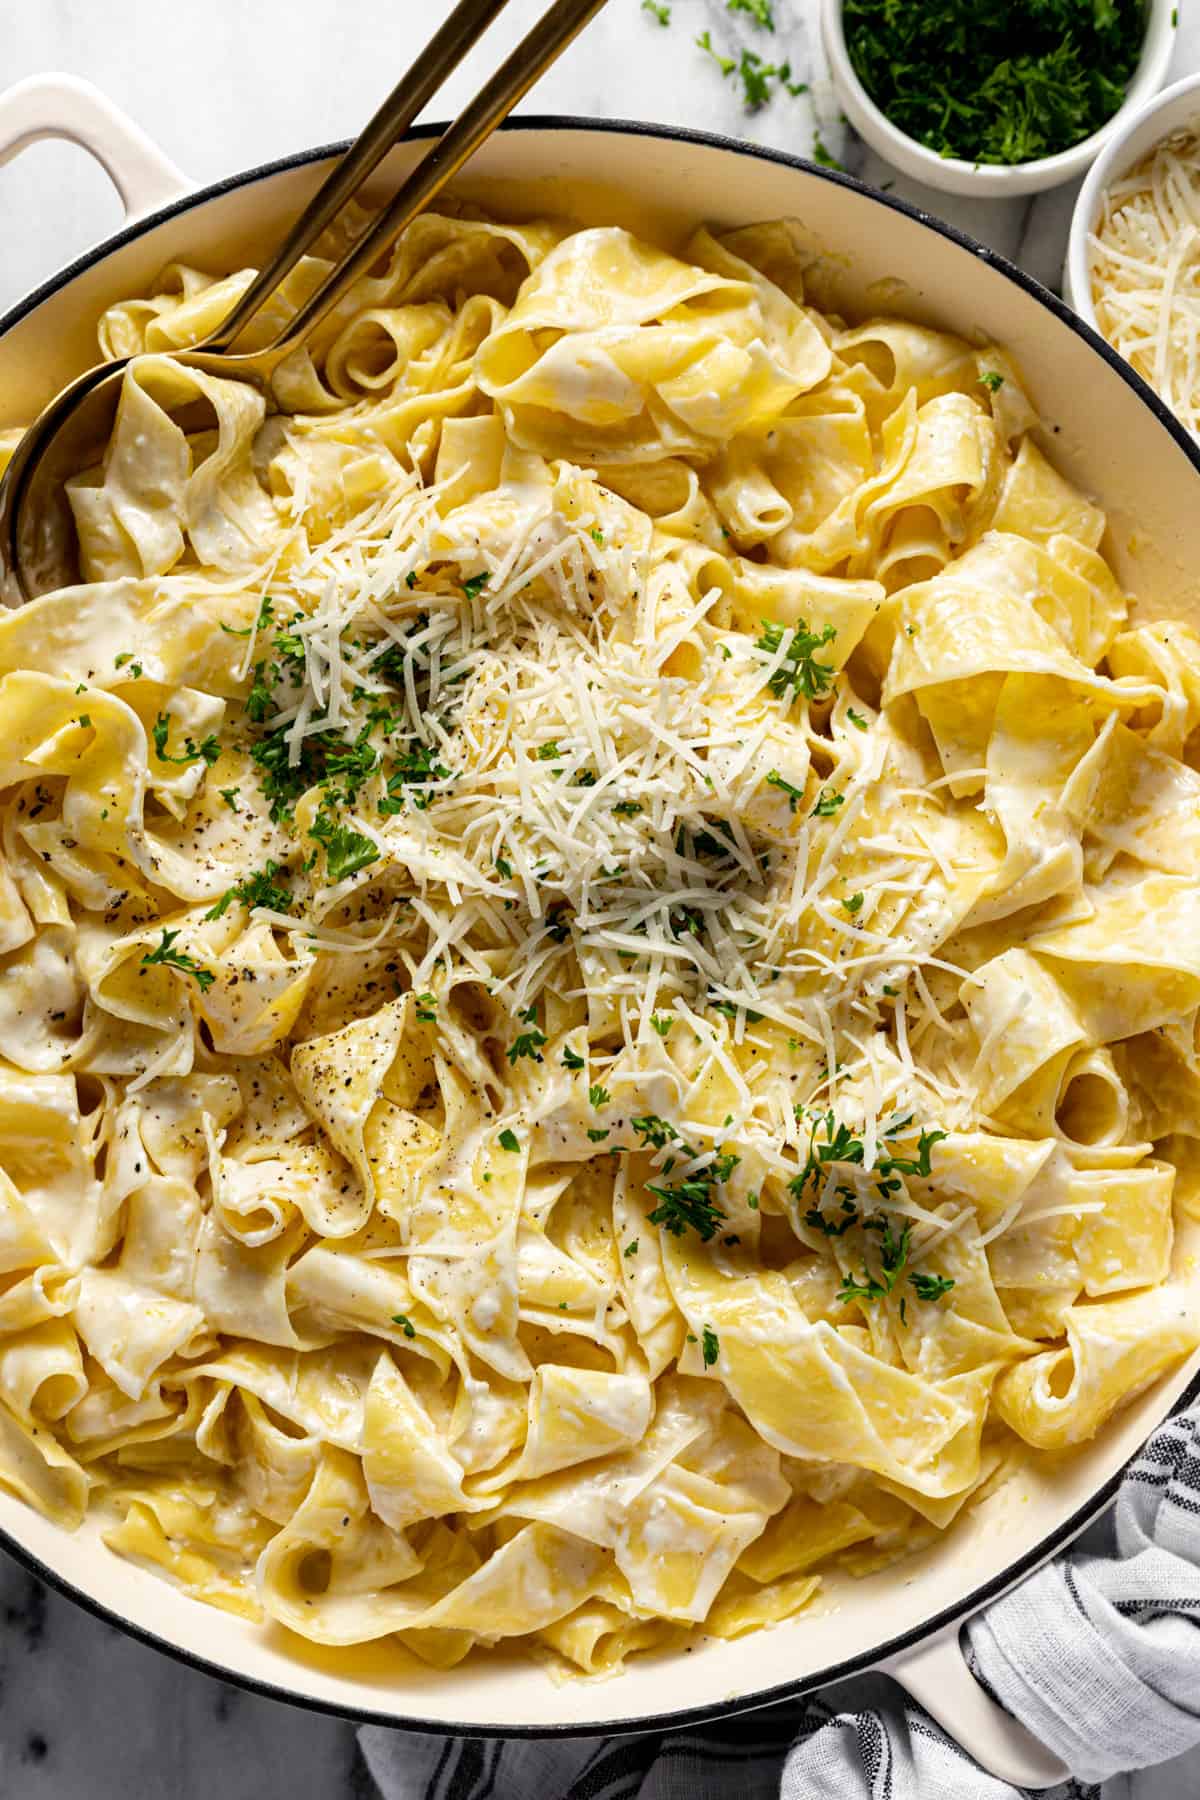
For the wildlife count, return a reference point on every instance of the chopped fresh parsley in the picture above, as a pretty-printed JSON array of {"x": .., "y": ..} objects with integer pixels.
[
  {"x": 657, "y": 11},
  {"x": 598, "y": 1133},
  {"x": 795, "y": 794},
  {"x": 596, "y": 535},
  {"x": 549, "y": 751},
  {"x": 710, "y": 1346},
  {"x": 816, "y": 1220},
  {"x": 992, "y": 380},
  {"x": 856, "y": 719},
  {"x": 690, "y": 1203},
  {"x": 346, "y": 851},
  {"x": 509, "y": 1140},
  {"x": 209, "y": 749},
  {"x": 726, "y": 64},
  {"x": 230, "y": 796},
  {"x": 759, "y": 10},
  {"x": 893, "y": 1255},
  {"x": 598, "y": 1096},
  {"x": 627, "y": 809},
  {"x": 631, "y": 1248},
  {"x": 526, "y": 1043},
  {"x": 265, "y": 613},
  {"x": 731, "y": 1008},
  {"x": 475, "y": 585},
  {"x": 412, "y": 770},
  {"x": 260, "y": 889},
  {"x": 126, "y": 656},
  {"x": 854, "y": 903},
  {"x": 930, "y": 1287},
  {"x": 749, "y": 68},
  {"x": 426, "y": 1008},
  {"x": 842, "y": 1145},
  {"x": 571, "y": 1060},
  {"x": 799, "y": 672},
  {"x": 662, "y": 1023},
  {"x": 405, "y": 1323},
  {"x": 824, "y": 157},
  {"x": 1008, "y": 84},
  {"x": 827, "y": 805},
  {"x": 503, "y": 869},
  {"x": 179, "y": 959},
  {"x": 654, "y": 1131}
]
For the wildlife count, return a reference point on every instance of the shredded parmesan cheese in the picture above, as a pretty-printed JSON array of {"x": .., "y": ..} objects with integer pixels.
[{"x": 1145, "y": 271}]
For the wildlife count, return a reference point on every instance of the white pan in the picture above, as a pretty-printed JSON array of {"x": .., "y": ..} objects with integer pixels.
[{"x": 1103, "y": 427}]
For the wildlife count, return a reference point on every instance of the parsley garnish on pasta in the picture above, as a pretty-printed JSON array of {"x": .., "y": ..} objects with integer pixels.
[{"x": 616, "y": 957}]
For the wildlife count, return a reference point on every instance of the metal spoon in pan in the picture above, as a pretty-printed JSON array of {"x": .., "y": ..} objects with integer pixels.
[{"x": 37, "y": 537}]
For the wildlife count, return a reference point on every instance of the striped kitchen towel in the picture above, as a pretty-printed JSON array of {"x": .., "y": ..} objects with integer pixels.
[{"x": 1098, "y": 1654}]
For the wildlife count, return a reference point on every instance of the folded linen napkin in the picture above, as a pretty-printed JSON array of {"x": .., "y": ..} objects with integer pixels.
[{"x": 1098, "y": 1654}]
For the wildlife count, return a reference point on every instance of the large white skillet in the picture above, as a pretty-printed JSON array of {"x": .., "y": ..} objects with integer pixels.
[{"x": 1102, "y": 426}]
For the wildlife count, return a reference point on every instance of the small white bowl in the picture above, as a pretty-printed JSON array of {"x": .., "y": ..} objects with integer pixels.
[
  {"x": 1176, "y": 107},
  {"x": 999, "y": 181}
]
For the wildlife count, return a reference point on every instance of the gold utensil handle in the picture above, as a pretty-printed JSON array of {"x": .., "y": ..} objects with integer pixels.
[
  {"x": 528, "y": 62},
  {"x": 445, "y": 50}
]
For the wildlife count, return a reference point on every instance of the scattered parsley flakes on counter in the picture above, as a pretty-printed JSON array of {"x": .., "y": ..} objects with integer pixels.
[
  {"x": 824, "y": 157},
  {"x": 657, "y": 11},
  {"x": 759, "y": 10},
  {"x": 726, "y": 64},
  {"x": 1004, "y": 84},
  {"x": 754, "y": 74}
]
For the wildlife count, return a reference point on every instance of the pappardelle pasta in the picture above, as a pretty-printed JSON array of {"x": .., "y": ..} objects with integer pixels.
[{"x": 601, "y": 954}]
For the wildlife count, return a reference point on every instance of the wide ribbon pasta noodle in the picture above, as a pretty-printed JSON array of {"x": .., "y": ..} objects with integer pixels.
[{"x": 598, "y": 991}]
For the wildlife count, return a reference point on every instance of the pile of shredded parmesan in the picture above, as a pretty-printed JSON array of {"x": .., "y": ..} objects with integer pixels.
[{"x": 1145, "y": 271}]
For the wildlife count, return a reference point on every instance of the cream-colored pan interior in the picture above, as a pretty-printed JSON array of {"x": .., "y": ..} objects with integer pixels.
[{"x": 1100, "y": 430}]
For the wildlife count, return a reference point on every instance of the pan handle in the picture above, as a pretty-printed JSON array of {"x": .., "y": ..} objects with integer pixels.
[
  {"x": 62, "y": 106},
  {"x": 936, "y": 1674}
]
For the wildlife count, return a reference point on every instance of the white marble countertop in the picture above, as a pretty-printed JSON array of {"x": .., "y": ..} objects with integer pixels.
[{"x": 85, "y": 1713}]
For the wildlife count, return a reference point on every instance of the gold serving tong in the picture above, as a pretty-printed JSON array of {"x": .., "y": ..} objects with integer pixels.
[{"x": 38, "y": 549}]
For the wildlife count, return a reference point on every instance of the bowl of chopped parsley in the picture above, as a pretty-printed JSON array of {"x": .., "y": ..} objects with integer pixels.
[{"x": 1001, "y": 99}]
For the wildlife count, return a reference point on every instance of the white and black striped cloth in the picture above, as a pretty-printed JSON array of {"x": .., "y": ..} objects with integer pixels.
[{"x": 1098, "y": 1654}]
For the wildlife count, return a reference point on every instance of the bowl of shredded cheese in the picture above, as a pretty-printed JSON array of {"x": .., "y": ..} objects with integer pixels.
[{"x": 1133, "y": 258}]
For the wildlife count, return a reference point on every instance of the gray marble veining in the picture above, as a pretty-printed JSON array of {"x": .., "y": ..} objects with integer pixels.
[{"x": 86, "y": 1713}]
